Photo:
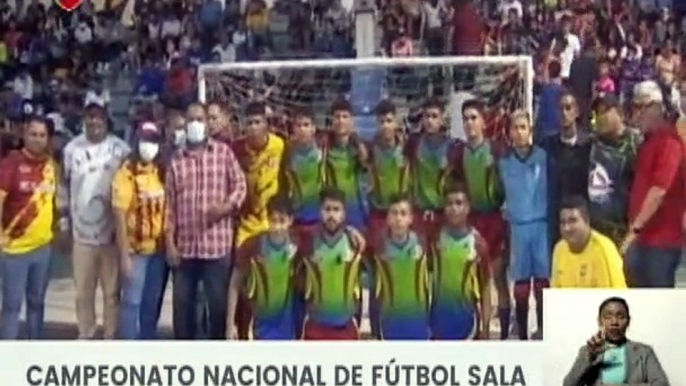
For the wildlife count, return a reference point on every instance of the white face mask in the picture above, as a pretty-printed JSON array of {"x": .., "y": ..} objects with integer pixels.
[
  {"x": 196, "y": 132},
  {"x": 179, "y": 138},
  {"x": 148, "y": 150}
]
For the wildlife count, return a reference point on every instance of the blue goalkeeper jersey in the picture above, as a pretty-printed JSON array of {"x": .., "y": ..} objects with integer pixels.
[{"x": 525, "y": 182}]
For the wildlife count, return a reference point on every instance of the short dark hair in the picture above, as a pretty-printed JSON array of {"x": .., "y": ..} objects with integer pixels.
[
  {"x": 331, "y": 193},
  {"x": 614, "y": 299},
  {"x": 48, "y": 123},
  {"x": 554, "y": 69},
  {"x": 223, "y": 107},
  {"x": 341, "y": 105},
  {"x": 303, "y": 112},
  {"x": 385, "y": 107},
  {"x": 280, "y": 204},
  {"x": 474, "y": 104},
  {"x": 434, "y": 103},
  {"x": 576, "y": 202},
  {"x": 399, "y": 198},
  {"x": 256, "y": 109},
  {"x": 456, "y": 188}
]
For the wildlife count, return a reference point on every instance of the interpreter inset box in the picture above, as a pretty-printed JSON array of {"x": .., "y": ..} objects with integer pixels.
[{"x": 614, "y": 337}]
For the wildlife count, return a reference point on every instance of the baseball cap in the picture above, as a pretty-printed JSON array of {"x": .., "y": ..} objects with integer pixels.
[
  {"x": 149, "y": 131},
  {"x": 648, "y": 92},
  {"x": 93, "y": 107},
  {"x": 606, "y": 102}
]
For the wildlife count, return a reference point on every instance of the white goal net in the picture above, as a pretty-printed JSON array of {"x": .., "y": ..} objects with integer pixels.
[{"x": 505, "y": 83}]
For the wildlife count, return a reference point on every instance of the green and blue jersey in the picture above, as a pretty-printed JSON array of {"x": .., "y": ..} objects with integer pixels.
[
  {"x": 455, "y": 285},
  {"x": 477, "y": 167},
  {"x": 389, "y": 169},
  {"x": 430, "y": 170},
  {"x": 270, "y": 287},
  {"x": 344, "y": 171},
  {"x": 332, "y": 278},
  {"x": 402, "y": 289},
  {"x": 305, "y": 178}
]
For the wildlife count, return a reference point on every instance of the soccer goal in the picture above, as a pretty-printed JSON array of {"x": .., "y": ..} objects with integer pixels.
[{"x": 504, "y": 83}]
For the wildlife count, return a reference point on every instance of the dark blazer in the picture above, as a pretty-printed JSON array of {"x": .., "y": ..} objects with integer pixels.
[{"x": 644, "y": 368}]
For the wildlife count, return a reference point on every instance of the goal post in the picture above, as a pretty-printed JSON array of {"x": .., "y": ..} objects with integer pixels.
[{"x": 504, "y": 83}]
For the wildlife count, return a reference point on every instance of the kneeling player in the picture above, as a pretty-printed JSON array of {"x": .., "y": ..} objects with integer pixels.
[
  {"x": 402, "y": 277},
  {"x": 331, "y": 259},
  {"x": 268, "y": 260},
  {"x": 459, "y": 269}
]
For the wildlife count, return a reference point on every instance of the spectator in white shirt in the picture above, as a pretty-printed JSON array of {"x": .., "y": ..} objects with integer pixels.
[
  {"x": 171, "y": 26},
  {"x": 507, "y": 6},
  {"x": 572, "y": 47},
  {"x": 225, "y": 52},
  {"x": 23, "y": 85},
  {"x": 83, "y": 33}
]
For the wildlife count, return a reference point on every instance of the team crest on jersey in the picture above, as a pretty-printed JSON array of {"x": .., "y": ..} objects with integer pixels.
[{"x": 600, "y": 185}]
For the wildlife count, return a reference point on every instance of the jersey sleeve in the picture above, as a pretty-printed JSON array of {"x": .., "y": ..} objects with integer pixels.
[
  {"x": 358, "y": 241},
  {"x": 455, "y": 155},
  {"x": 555, "y": 273},
  {"x": 482, "y": 253}
]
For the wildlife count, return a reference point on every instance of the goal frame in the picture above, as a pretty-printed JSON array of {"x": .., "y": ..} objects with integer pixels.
[{"x": 524, "y": 61}]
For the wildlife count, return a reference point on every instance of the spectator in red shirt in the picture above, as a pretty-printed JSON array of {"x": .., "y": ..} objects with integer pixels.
[{"x": 658, "y": 195}]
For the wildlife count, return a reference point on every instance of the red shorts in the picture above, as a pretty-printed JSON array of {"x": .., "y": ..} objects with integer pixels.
[
  {"x": 376, "y": 226},
  {"x": 493, "y": 229},
  {"x": 427, "y": 230},
  {"x": 316, "y": 331},
  {"x": 303, "y": 232}
]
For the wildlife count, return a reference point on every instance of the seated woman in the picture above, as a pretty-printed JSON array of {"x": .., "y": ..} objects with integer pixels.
[{"x": 609, "y": 358}]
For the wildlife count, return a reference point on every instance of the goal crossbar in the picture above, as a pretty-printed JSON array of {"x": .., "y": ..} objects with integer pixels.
[{"x": 524, "y": 62}]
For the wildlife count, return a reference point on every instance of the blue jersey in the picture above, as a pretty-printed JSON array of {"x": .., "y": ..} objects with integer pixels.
[{"x": 525, "y": 182}]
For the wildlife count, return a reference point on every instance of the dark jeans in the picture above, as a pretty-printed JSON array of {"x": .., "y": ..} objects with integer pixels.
[
  {"x": 156, "y": 276},
  {"x": 651, "y": 267},
  {"x": 214, "y": 276},
  {"x": 25, "y": 274}
]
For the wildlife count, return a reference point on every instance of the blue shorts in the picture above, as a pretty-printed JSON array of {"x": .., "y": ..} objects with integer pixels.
[
  {"x": 404, "y": 328},
  {"x": 529, "y": 251},
  {"x": 452, "y": 322},
  {"x": 275, "y": 328}
]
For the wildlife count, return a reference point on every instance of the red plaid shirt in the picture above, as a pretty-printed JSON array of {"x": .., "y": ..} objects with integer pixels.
[{"x": 196, "y": 181}]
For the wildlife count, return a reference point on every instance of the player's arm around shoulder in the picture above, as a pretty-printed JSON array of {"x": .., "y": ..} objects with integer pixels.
[{"x": 358, "y": 241}]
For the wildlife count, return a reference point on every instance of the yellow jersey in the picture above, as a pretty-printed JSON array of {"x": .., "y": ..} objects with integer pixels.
[
  {"x": 139, "y": 191},
  {"x": 262, "y": 170},
  {"x": 599, "y": 265}
]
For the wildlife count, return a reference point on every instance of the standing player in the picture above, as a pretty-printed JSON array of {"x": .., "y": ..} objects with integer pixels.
[
  {"x": 525, "y": 180},
  {"x": 260, "y": 154},
  {"x": 388, "y": 167},
  {"x": 428, "y": 156},
  {"x": 268, "y": 261},
  {"x": 303, "y": 178},
  {"x": 402, "y": 276},
  {"x": 389, "y": 170},
  {"x": 460, "y": 274},
  {"x": 332, "y": 266},
  {"x": 475, "y": 164},
  {"x": 303, "y": 173},
  {"x": 344, "y": 163}
]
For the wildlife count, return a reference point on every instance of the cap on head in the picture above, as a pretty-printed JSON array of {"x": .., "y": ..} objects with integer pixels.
[
  {"x": 95, "y": 108},
  {"x": 149, "y": 131}
]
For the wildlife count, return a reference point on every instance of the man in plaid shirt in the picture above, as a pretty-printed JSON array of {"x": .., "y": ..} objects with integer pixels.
[{"x": 205, "y": 186}]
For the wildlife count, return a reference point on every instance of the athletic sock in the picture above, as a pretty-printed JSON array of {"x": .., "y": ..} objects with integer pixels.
[
  {"x": 539, "y": 286},
  {"x": 504, "y": 318},
  {"x": 522, "y": 291}
]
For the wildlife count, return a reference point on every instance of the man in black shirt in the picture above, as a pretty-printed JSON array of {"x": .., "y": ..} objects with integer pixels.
[{"x": 568, "y": 155}]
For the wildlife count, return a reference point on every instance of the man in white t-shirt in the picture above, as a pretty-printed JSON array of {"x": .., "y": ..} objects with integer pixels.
[
  {"x": 224, "y": 51},
  {"x": 90, "y": 162},
  {"x": 507, "y": 6},
  {"x": 572, "y": 47}
]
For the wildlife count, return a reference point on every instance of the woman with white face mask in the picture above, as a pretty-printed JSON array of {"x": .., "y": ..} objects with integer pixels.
[{"x": 138, "y": 197}]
